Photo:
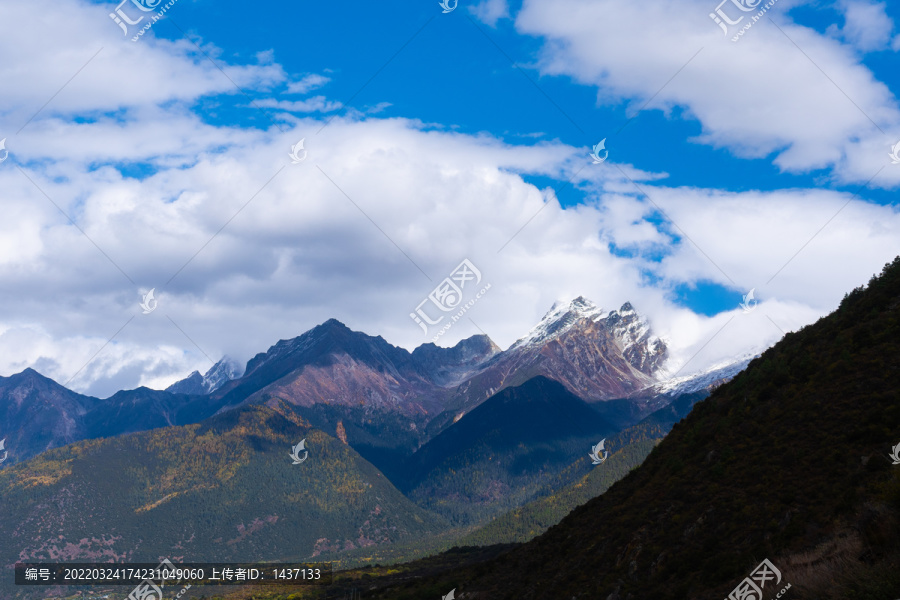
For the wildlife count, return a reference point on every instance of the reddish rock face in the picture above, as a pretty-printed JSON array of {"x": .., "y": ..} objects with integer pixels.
[
  {"x": 598, "y": 355},
  {"x": 365, "y": 382}
]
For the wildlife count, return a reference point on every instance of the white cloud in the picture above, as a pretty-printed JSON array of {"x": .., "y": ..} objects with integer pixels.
[
  {"x": 308, "y": 83},
  {"x": 801, "y": 250},
  {"x": 759, "y": 97},
  {"x": 270, "y": 249},
  {"x": 309, "y": 105},
  {"x": 301, "y": 252},
  {"x": 866, "y": 24},
  {"x": 122, "y": 74},
  {"x": 491, "y": 11}
]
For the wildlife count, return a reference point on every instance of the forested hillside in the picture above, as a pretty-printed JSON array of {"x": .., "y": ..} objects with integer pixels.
[
  {"x": 788, "y": 462},
  {"x": 223, "y": 490}
]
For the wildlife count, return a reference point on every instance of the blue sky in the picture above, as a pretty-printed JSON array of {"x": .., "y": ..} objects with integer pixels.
[
  {"x": 762, "y": 164},
  {"x": 458, "y": 72},
  {"x": 454, "y": 71}
]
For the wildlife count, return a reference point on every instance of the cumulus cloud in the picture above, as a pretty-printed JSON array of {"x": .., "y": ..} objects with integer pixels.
[
  {"x": 379, "y": 212},
  {"x": 243, "y": 248},
  {"x": 752, "y": 97},
  {"x": 113, "y": 73},
  {"x": 866, "y": 24},
  {"x": 491, "y": 11},
  {"x": 307, "y": 83},
  {"x": 309, "y": 105}
]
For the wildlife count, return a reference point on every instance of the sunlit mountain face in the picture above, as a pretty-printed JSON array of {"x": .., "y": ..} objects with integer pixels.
[
  {"x": 385, "y": 401},
  {"x": 435, "y": 296},
  {"x": 446, "y": 438}
]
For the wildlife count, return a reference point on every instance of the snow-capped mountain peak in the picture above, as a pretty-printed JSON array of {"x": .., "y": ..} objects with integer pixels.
[
  {"x": 218, "y": 375},
  {"x": 221, "y": 373},
  {"x": 630, "y": 330},
  {"x": 559, "y": 319}
]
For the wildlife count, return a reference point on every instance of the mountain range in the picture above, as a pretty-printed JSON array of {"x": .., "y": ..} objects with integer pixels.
[
  {"x": 790, "y": 462},
  {"x": 403, "y": 446},
  {"x": 358, "y": 387},
  {"x": 39, "y": 414}
]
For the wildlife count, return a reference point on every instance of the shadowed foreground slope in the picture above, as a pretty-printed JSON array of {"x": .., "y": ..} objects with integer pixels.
[{"x": 789, "y": 462}]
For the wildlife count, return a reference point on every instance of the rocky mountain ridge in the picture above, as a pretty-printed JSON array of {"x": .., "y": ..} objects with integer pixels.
[
  {"x": 378, "y": 396},
  {"x": 218, "y": 375},
  {"x": 789, "y": 462}
]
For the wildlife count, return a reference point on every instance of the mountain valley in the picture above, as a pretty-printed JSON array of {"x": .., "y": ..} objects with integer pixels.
[
  {"x": 467, "y": 442},
  {"x": 791, "y": 462}
]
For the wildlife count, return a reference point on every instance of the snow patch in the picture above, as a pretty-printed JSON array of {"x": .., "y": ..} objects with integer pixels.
[{"x": 699, "y": 380}]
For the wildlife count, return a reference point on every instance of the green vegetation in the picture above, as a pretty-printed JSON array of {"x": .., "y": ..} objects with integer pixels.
[
  {"x": 570, "y": 489},
  {"x": 786, "y": 462},
  {"x": 516, "y": 445},
  {"x": 524, "y": 523},
  {"x": 222, "y": 490},
  {"x": 789, "y": 462}
]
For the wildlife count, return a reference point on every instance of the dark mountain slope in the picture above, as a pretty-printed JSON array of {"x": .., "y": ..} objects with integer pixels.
[
  {"x": 627, "y": 450},
  {"x": 530, "y": 520},
  {"x": 374, "y": 396},
  {"x": 498, "y": 455},
  {"x": 788, "y": 462},
  {"x": 36, "y": 413},
  {"x": 144, "y": 409}
]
